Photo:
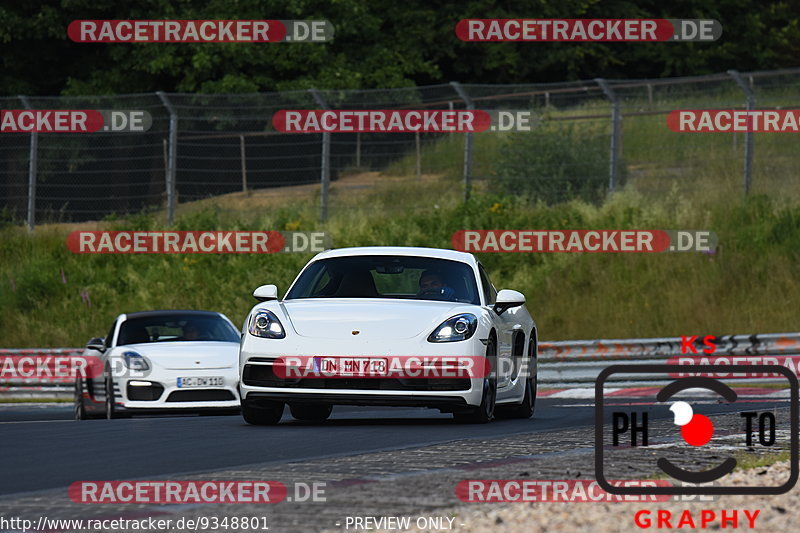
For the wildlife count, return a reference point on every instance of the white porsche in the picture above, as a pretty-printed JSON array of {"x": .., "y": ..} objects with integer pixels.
[
  {"x": 153, "y": 361},
  {"x": 352, "y": 313}
]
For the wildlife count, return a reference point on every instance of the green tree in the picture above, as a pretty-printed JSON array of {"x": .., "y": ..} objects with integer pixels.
[{"x": 378, "y": 43}]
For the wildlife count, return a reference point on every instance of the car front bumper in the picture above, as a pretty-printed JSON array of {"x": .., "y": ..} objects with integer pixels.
[
  {"x": 258, "y": 381},
  {"x": 165, "y": 394}
]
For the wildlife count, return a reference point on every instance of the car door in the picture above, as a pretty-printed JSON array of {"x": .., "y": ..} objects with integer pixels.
[{"x": 505, "y": 325}]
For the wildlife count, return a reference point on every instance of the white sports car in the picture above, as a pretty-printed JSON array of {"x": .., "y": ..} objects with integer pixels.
[
  {"x": 161, "y": 360},
  {"x": 373, "y": 325}
]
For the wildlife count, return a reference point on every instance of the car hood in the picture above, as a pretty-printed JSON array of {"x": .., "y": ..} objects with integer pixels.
[
  {"x": 372, "y": 318},
  {"x": 187, "y": 355}
]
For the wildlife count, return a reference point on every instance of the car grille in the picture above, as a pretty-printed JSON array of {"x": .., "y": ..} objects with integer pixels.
[
  {"x": 201, "y": 395},
  {"x": 145, "y": 394},
  {"x": 263, "y": 376}
]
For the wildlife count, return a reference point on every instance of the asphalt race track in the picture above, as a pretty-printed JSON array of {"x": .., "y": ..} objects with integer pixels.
[{"x": 43, "y": 448}]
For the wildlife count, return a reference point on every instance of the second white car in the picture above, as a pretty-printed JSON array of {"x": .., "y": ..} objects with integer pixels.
[{"x": 160, "y": 361}]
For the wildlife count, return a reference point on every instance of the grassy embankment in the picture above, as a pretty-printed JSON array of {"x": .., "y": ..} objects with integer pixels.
[{"x": 675, "y": 182}]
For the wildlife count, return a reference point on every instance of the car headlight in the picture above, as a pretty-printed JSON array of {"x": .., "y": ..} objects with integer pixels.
[
  {"x": 265, "y": 324},
  {"x": 456, "y": 328},
  {"x": 135, "y": 361}
]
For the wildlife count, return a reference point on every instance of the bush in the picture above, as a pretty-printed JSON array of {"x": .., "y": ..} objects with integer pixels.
[
  {"x": 554, "y": 163},
  {"x": 7, "y": 218}
]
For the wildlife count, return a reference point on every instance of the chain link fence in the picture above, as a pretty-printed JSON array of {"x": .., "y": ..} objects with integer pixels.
[{"x": 590, "y": 138}]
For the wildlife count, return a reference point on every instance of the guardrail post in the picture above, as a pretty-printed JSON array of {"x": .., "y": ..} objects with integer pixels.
[
  {"x": 467, "y": 141},
  {"x": 33, "y": 170},
  {"x": 749, "y": 137},
  {"x": 325, "y": 177},
  {"x": 616, "y": 133},
  {"x": 172, "y": 157}
]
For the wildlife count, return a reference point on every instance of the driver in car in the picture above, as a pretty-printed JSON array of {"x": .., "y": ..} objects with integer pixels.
[
  {"x": 432, "y": 285},
  {"x": 191, "y": 332}
]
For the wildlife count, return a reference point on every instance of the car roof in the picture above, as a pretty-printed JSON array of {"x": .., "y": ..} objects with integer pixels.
[
  {"x": 439, "y": 253},
  {"x": 170, "y": 312}
]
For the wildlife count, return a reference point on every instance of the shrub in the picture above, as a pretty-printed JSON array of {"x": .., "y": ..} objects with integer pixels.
[{"x": 554, "y": 163}]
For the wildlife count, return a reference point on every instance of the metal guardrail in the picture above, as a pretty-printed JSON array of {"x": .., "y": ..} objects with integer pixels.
[
  {"x": 570, "y": 364},
  {"x": 562, "y": 364},
  {"x": 32, "y": 388}
]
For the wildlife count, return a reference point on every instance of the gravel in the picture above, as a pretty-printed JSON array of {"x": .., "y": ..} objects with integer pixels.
[{"x": 776, "y": 513}]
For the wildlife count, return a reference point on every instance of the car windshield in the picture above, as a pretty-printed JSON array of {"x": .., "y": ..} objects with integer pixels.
[
  {"x": 382, "y": 276},
  {"x": 176, "y": 327}
]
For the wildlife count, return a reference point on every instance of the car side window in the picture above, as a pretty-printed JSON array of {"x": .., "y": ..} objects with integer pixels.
[
  {"x": 110, "y": 335},
  {"x": 489, "y": 291}
]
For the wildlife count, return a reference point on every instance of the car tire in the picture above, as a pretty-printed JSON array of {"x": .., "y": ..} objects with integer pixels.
[
  {"x": 111, "y": 405},
  {"x": 79, "y": 409},
  {"x": 526, "y": 408},
  {"x": 311, "y": 412},
  {"x": 485, "y": 411},
  {"x": 266, "y": 414}
]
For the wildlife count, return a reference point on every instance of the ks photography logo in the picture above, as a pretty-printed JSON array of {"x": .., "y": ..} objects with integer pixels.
[{"x": 630, "y": 428}]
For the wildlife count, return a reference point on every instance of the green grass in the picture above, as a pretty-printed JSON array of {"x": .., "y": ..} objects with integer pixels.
[
  {"x": 674, "y": 181},
  {"x": 746, "y": 460},
  {"x": 749, "y": 286}
]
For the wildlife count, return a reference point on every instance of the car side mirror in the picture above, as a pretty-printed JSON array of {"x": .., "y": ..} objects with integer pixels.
[
  {"x": 97, "y": 344},
  {"x": 507, "y": 299},
  {"x": 265, "y": 293}
]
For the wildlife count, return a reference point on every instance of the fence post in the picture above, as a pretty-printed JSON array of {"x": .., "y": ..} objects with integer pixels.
[
  {"x": 325, "y": 177},
  {"x": 616, "y": 133},
  {"x": 467, "y": 141},
  {"x": 749, "y": 137},
  {"x": 450, "y": 107},
  {"x": 172, "y": 156},
  {"x": 358, "y": 150},
  {"x": 166, "y": 153},
  {"x": 33, "y": 170},
  {"x": 244, "y": 163}
]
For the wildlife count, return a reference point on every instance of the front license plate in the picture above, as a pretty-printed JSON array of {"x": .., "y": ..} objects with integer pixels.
[
  {"x": 353, "y": 366},
  {"x": 216, "y": 381}
]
